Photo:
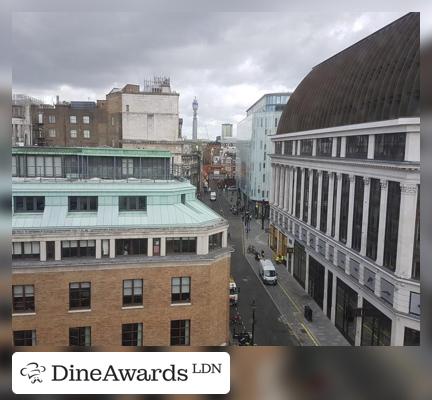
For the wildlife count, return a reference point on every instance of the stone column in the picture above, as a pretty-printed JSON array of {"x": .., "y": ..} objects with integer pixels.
[
  {"x": 303, "y": 171},
  {"x": 281, "y": 184},
  {"x": 343, "y": 146},
  {"x": 365, "y": 218},
  {"x": 357, "y": 340},
  {"x": 42, "y": 250},
  {"x": 382, "y": 222},
  {"x": 319, "y": 199},
  {"x": 377, "y": 290},
  {"x": 350, "y": 210},
  {"x": 98, "y": 248},
  {"x": 57, "y": 250},
  {"x": 397, "y": 332},
  {"x": 412, "y": 146},
  {"x": 276, "y": 192},
  {"x": 224, "y": 238},
  {"x": 310, "y": 188},
  {"x": 295, "y": 172},
  {"x": 333, "y": 305},
  {"x": 371, "y": 147},
  {"x": 314, "y": 147},
  {"x": 338, "y": 204},
  {"x": 406, "y": 231},
  {"x": 287, "y": 188},
  {"x": 112, "y": 248},
  {"x": 325, "y": 291},
  {"x": 273, "y": 184},
  {"x": 334, "y": 147},
  {"x": 163, "y": 247},
  {"x": 150, "y": 247},
  {"x": 330, "y": 204},
  {"x": 294, "y": 147},
  {"x": 307, "y": 273},
  {"x": 292, "y": 188}
]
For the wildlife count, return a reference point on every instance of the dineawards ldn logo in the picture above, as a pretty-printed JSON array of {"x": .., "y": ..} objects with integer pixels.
[
  {"x": 33, "y": 371},
  {"x": 121, "y": 373}
]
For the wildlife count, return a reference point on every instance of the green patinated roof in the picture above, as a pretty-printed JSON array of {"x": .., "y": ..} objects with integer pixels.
[
  {"x": 92, "y": 151},
  {"x": 164, "y": 207}
]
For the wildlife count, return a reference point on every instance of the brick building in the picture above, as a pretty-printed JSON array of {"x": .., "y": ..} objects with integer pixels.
[{"x": 128, "y": 261}]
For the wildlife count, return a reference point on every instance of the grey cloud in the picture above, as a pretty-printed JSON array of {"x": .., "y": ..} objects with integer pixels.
[{"x": 206, "y": 54}]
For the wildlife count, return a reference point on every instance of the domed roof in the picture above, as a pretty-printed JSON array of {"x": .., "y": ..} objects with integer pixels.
[{"x": 375, "y": 79}]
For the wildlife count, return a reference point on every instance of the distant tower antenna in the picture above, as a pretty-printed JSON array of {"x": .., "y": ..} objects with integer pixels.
[{"x": 195, "y": 119}]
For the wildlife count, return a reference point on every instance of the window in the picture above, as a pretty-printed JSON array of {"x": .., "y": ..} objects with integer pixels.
[
  {"x": 51, "y": 119},
  {"x": 127, "y": 167},
  {"x": 306, "y": 147},
  {"x": 83, "y": 203},
  {"x": 72, "y": 119},
  {"x": 23, "y": 298},
  {"x": 78, "y": 248},
  {"x": 80, "y": 336},
  {"x": 79, "y": 295},
  {"x": 132, "y": 203},
  {"x": 24, "y": 338},
  {"x": 132, "y": 334},
  {"x": 180, "y": 332},
  {"x": 357, "y": 146},
  {"x": 180, "y": 245},
  {"x": 306, "y": 195},
  {"x": 29, "y": 204},
  {"x": 183, "y": 199},
  {"x": 314, "y": 197},
  {"x": 343, "y": 224},
  {"x": 334, "y": 188},
  {"x": 376, "y": 327},
  {"x": 86, "y": 119},
  {"x": 40, "y": 118},
  {"x": 276, "y": 122},
  {"x": 297, "y": 192},
  {"x": 324, "y": 201},
  {"x": 25, "y": 250},
  {"x": 131, "y": 247},
  {"x": 86, "y": 134},
  {"x": 132, "y": 292},
  {"x": 412, "y": 337},
  {"x": 127, "y": 107},
  {"x": 51, "y": 132},
  {"x": 414, "y": 307},
  {"x": 390, "y": 146},
  {"x": 73, "y": 133},
  {"x": 416, "y": 254},
  {"x": 180, "y": 290},
  {"x": 346, "y": 303},
  {"x": 215, "y": 241},
  {"x": 392, "y": 225},
  {"x": 278, "y": 148},
  {"x": 112, "y": 121},
  {"x": 357, "y": 213},
  {"x": 373, "y": 218},
  {"x": 338, "y": 146},
  {"x": 324, "y": 147}
]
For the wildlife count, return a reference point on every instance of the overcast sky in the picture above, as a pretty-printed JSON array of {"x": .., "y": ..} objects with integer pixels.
[{"x": 226, "y": 60}]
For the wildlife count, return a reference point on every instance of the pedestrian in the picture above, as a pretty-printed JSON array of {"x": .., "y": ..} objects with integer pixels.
[{"x": 262, "y": 253}]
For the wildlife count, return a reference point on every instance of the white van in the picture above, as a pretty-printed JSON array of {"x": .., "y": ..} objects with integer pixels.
[
  {"x": 267, "y": 272},
  {"x": 213, "y": 196}
]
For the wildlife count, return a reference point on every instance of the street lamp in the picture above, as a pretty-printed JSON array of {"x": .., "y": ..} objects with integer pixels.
[{"x": 253, "y": 305}]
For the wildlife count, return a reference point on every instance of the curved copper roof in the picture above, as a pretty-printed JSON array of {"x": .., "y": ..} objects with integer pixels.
[{"x": 375, "y": 79}]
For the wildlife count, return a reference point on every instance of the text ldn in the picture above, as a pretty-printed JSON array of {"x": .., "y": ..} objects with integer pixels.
[
  {"x": 62, "y": 373},
  {"x": 204, "y": 368}
]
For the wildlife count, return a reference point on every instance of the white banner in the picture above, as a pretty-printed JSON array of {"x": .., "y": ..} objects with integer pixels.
[{"x": 121, "y": 373}]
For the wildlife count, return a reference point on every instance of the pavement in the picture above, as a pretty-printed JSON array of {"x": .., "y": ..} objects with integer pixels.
[{"x": 288, "y": 297}]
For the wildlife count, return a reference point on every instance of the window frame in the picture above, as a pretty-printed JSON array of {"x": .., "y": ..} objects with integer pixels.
[
  {"x": 27, "y": 302},
  {"x": 132, "y": 203},
  {"x": 25, "y": 203},
  {"x": 25, "y": 339},
  {"x": 180, "y": 332},
  {"x": 80, "y": 200},
  {"x": 135, "y": 299},
  {"x": 134, "y": 328},
  {"x": 83, "y": 332},
  {"x": 183, "y": 295},
  {"x": 81, "y": 300}
]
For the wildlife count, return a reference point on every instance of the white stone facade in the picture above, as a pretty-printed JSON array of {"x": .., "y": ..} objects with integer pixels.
[{"x": 370, "y": 279}]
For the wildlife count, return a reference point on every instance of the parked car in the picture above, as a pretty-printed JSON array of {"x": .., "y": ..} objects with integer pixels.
[
  {"x": 213, "y": 196},
  {"x": 268, "y": 272}
]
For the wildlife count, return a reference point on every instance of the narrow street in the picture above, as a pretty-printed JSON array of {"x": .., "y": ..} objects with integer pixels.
[{"x": 269, "y": 328}]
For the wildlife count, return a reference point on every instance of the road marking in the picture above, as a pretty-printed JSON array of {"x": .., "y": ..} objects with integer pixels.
[
  {"x": 289, "y": 297},
  {"x": 310, "y": 334}
]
